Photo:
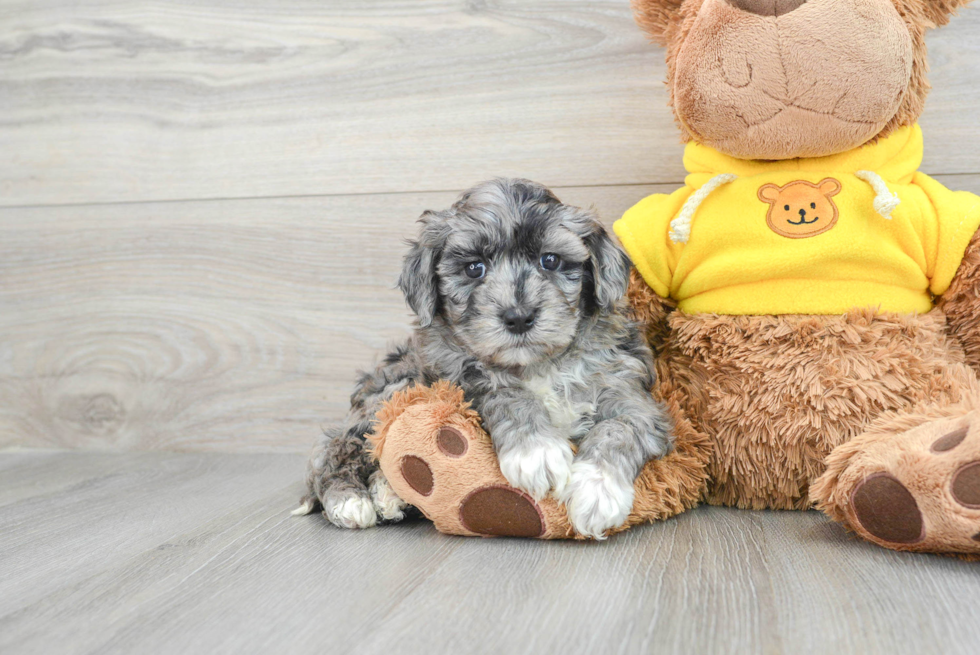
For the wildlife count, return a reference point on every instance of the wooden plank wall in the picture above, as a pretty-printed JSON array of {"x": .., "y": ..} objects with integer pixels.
[{"x": 203, "y": 203}]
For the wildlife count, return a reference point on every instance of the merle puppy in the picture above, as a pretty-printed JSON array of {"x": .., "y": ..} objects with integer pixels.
[{"x": 520, "y": 301}]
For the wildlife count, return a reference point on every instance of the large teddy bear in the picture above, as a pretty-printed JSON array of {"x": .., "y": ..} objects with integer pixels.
[{"x": 813, "y": 299}]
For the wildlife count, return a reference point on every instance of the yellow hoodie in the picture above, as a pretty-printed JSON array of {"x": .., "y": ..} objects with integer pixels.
[{"x": 806, "y": 236}]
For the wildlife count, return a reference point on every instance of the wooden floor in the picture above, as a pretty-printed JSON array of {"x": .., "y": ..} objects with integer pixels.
[{"x": 197, "y": 553}]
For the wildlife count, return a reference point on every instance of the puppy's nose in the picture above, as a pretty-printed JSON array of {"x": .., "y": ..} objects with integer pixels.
[
  {"x": 518, "y": 321},
  {"x": 767, "y": 7},
  {"x": 802, "y": 213}
]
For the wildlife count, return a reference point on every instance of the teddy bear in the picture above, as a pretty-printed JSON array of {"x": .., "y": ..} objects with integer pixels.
[{"x": 812, "y": 299}]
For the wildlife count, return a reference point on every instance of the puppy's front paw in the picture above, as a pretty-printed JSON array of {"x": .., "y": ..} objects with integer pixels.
[
  {"x": 597, "y": 500},
  {"x": 538, "y": 467},
  {"x": 349, "y": 510}
]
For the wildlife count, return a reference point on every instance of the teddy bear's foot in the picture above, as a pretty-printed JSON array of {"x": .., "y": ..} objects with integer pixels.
[
  {"x": 918, "y": 489},
  {"x": 435, "y": 456}
]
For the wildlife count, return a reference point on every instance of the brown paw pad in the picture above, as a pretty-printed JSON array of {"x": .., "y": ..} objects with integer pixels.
[
  {"x": 887, "y": 510},
  {"x": 966, "y": 486},
  {"x": 417, "y": 473},
  {"x": 451, "y": 442},
  {"x": 501, "y": 511},
  {"x": 950, "y": 441}
]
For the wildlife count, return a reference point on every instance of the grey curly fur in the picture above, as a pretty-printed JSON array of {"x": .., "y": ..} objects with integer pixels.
[{"x": 582, "y": 373}]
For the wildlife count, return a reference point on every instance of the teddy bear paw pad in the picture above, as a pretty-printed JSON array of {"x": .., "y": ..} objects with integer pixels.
[
  {"x": 501, "y": 511},
  {"x": 888, "y": 510},
  {"x": 928, "y": 495},
  {"x": 966, "y": 486},
  {"x": 494, "y": 510},
  {"x": 417, "y": 473},
  {"x": 451, "y": 442},
  {"x": 950, "y": 441}
]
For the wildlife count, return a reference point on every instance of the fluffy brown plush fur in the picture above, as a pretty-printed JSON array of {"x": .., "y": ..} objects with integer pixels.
[
  {"x": 668, "y": 486},
  {"x": 650, "y": 310},
  {"x": 776, "y": 394},
  {"x": 961, "y": 304}
]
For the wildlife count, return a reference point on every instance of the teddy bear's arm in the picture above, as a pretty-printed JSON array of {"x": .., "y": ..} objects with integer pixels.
[
  {"x": 650, "y": 310},
  {"x": 961, "y": 303}
]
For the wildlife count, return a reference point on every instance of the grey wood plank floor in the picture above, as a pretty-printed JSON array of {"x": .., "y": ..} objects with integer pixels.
[{"x": 197, "y": 553}]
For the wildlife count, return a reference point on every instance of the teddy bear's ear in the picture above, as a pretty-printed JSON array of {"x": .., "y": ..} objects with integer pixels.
[
  {"x": 655, "y": 16},
  {"x": 940, "y": 11}
]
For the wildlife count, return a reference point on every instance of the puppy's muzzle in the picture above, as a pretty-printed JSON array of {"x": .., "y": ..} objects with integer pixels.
[{"x": 517, "y": 320}]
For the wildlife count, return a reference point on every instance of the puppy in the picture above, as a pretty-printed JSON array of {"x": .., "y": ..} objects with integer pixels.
[{"x": 520, "y": 302}]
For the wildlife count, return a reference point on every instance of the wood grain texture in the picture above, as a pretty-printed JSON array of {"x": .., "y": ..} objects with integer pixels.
[
  {"x": 225, "y": 325},
  {"x": 196, "y": 553},
  {"x": 229, "y": 325},
  {"x": 136, "y": 100}
]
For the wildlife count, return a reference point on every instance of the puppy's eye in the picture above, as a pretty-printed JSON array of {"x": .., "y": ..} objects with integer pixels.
[
  {"x": 550, "y": 261},
  {"x": 786, "y": 207},
  {"x": 813, "y": 205},
  {"x": 475, "y": 270}
]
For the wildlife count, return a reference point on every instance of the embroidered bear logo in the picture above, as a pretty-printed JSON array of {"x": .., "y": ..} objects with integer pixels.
[{"x": 801, "y": 209}]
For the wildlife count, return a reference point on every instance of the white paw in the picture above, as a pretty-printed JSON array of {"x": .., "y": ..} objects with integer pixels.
[
  {"x": 386, "y": 501},
  {"x": 597, "y": 500},
  {"x": 539, "y": 468},
  {"x": 350, "y": 512}
]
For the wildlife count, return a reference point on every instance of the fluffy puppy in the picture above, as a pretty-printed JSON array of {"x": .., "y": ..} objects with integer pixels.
[{"x": 520, "y": 301}]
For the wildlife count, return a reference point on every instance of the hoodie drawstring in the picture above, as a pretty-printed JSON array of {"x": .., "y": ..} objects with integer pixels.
[
  {"x": 680, "y": 227},
  {"x": 885, "y": 200}
]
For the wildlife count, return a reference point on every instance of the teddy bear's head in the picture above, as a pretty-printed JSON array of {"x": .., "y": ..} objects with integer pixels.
[{"x": 781, "y": 79}]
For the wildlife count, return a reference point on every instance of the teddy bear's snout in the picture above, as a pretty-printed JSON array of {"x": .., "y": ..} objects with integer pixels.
[{"x": 767, "y": 7}]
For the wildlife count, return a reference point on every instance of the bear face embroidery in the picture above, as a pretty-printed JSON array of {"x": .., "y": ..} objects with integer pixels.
[{"x": 801, "y": 209}]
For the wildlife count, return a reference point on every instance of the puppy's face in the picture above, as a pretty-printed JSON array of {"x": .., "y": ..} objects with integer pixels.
[
  {"x": 511, "y": 279},
  {"x": 512, "y": 271}
]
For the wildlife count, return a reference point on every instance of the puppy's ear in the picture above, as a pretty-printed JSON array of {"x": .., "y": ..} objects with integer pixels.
[
  {"x": 608, "y": 268},
  {"x": 657, "y": 16},
  {"x": 418, "y": 280}
]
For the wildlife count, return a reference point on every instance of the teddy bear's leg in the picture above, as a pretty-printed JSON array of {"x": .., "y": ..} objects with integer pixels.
[
  {"x": 912, "y": 480},
  {"x": 435, "y": 456}
]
